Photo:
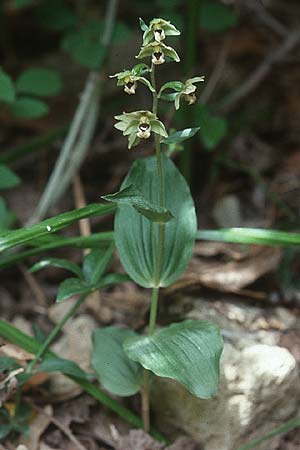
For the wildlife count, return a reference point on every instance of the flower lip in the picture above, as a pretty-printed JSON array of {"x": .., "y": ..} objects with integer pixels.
[
  {"x": 130, "y": 84},
  {"x": 144, "y": 127}
]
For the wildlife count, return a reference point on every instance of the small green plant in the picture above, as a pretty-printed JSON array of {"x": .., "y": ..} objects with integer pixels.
[
  {"x": 21, "y": 97},
  {"x": 155, "y": 231}
]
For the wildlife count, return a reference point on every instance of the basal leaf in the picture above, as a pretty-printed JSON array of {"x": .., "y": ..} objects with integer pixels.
[
  {"x": 188, "y": 352},
  {"x": 96, "y": 262},
  {"x": 57, "y": 262},
  {"x": 39, "y": 81},
  {"x": 137, "y": 237},
  {"x": 116, "y": 372},
  {"x": 133, "y": 197},
  {"x": 8, "y": 179},
  {"x": 29, "y": 108},
  {"x": 7, "y": 89}
]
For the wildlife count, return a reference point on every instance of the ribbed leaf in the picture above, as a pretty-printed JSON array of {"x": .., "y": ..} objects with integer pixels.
[
  {"x": 188, "y": 352},
  {"x": 137, "y": 237}
]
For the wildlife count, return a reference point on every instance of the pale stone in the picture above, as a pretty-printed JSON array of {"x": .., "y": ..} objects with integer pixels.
[{"x": 259, "y": 387}]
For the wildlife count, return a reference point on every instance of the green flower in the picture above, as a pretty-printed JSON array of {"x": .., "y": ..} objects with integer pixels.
[
  {"x": 129, "y": 78},
  {"x": 158, "y": 29},
  {"x": 158, "y": 51},
  {"x": 182, "y": 90},
  {"x": 138, "y": 125}
]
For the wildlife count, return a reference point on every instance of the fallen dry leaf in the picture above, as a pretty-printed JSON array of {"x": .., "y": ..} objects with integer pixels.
[{"x": 37, "y": 427}]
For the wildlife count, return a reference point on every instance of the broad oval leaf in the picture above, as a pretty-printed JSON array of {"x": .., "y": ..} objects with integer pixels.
[
  {"x": 7, "y": 89},
  {"x": 188, "y": 352},
  {"x": 39, "y": 81},
  {"x": 116, "y": 372},
  {"x": 59, "y": 263},
  {"x": 137, "y": 238},
  {"x": 29, "y": 108},
  {"x": 130, "y": 195}
]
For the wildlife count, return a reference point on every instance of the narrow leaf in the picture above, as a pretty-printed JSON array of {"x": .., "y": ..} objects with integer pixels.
[
  {"x": 96, "y": 262},
  {"x": 59, "y": 263},
  {"x": 133, "y": 197},
  {"x": 40, "y": 82},
  {"x": 64, "y": 366},
  {"x": 180, "y": 136},
  {"x": 70, "y": 287},
  {"x": 257, "y": 236},
  {"x": 8, "y": 179},
  {"x": 291, "y": 425},
  {"x": 7, "y": 90},
  {"x": 115, "y": 371},
  {"x": 188, "y": 352},
  {"x": 12, "y": 238}
]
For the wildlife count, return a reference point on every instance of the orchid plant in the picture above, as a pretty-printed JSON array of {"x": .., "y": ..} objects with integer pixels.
[{"x": 155, "y": 230}]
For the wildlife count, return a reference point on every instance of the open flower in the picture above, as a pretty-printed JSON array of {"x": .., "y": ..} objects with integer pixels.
[
  {"x": 129, "y": 78},
  {"x": 158, "y": 29},
  {"x": 158, "y": 51},
  {"x": 188, "y": 91},
  {"x": 138, "y": 125},
  {"x": 182, "y": 90}
]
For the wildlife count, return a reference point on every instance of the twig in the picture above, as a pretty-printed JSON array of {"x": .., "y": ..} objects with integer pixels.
[
  {"x": 266, "y": 17},
  {"x": 260, "y": 73},
  {"x": 63, "y": 428},
  {"x": 80, "y": 202},
  {"x": 80, "y": 132},
  {"x": 216, "y": 75},
  {"x": 34, "y": 286}
]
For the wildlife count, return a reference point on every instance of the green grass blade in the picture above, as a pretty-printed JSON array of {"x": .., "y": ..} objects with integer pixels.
[
  {"x": 53, "y": 242},
  {"x": 10, "y": 239},
  {"x": 17, "y": 337},
  {"x": 279, "y": 430},
  {"x": 250, "y": 236}
]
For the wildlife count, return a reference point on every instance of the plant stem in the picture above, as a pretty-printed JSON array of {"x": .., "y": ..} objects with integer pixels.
[
  {"x": 54, "y": 333},
  {"x": 160, "y": 247}
]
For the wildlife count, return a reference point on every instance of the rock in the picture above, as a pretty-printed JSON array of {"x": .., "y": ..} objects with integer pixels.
[
  {"x": 259, "y": 387},
  {"x": 76, "y": 345}
]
